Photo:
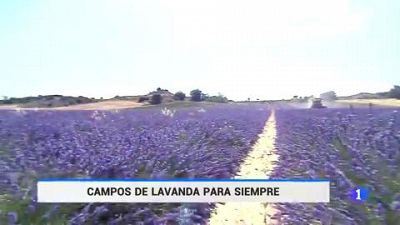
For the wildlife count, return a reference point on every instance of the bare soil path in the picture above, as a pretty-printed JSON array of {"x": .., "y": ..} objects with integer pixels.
[
  {"x": 379, "y": 102},
  {"x": 258, "y": 165}
]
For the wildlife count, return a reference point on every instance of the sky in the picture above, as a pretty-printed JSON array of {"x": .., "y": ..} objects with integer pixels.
[{"x": 264, "y": 49}]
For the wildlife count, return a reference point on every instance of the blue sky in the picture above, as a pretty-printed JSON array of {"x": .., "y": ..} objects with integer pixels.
[{"x": 258, "y": 48}]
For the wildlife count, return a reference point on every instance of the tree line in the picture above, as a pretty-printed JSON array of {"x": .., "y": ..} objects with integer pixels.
[{"x": 196, "y": 95}]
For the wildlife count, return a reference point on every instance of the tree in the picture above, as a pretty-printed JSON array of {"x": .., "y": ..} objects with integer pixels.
[
  {"x": 143, "y": 99},
  {"x": 328, "y": 96},
  {"x": 196, "y": 95},
  {"x": 218, "y": 98},
  {"x": 395, "y": 92},
  {"x": 155, "y": 99},
  {"x": 180, "y": 96}
]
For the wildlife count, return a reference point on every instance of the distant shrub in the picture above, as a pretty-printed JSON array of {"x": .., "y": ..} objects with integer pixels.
[
  {"x": 82, "y": 100},
  {"x": 160, "y": 89},
  {"x": 179, "y": 96},
  {"x": 218, "y": 98},
  {"x": 143, "y": 99},
  {"x": 394, "y": 92},
  {"x": 156, "y": 99},
  {"x": 196, "y": 95},
  {"x": 71, "y": 101}
]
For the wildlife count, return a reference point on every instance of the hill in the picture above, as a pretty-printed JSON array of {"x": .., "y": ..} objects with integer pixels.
[
  {"x": 47, "y": 101},
  {"x": 364, "y": 95}
]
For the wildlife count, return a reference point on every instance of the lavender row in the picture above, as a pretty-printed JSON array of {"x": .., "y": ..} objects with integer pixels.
[{"x": 359, "y": 147}]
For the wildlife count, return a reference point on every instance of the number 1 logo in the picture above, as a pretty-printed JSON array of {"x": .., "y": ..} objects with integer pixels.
[{"x": 359, "y": 194}]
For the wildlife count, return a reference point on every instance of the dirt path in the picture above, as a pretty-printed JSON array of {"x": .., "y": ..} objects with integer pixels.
[
  {"x": 379, "y": 102},
  {"x": 258, "y": 164}
]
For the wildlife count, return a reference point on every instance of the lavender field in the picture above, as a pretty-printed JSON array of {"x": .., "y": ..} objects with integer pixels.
[
  {"x": 195, "y": 142},
  {"x": 357, "y": 147}
]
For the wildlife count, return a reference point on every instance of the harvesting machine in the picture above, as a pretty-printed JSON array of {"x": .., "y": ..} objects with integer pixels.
[{"x": 316, "y": 103}]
